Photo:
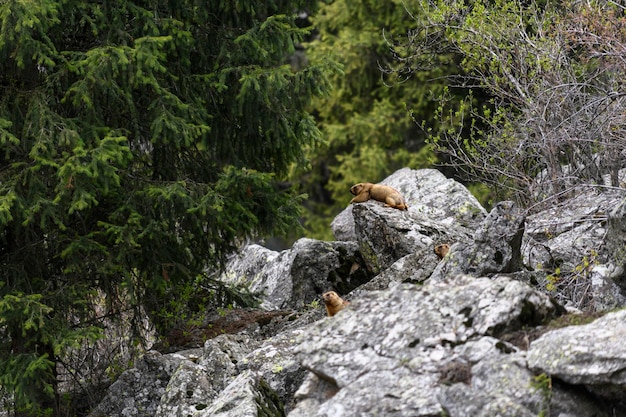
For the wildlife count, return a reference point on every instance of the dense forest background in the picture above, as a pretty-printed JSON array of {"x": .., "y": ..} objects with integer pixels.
[{"x": 142, "y": 142}]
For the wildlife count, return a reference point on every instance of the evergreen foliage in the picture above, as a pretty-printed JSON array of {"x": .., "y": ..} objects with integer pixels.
[{"x": 140, "y": 142}]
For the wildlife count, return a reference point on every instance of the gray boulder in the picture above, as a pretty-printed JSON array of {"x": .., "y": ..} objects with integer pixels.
[
  {"x": 137, "y": 391},
  {"x": 385, "y": 235},
  {"x": 295, "y": 277},
  {"x": 233, "y": 375},
  {"x": 501, "y": 385},
  {"x": 592, "y": 355},
  {"x": 413, "y": 268},
  {"x": 248, "y": 395},
  {"x": 236, "y": 377},
  {"x": 275, "y": 363},
  {"x": 200, "y": 378},
  {"x": 429, "y": 195},
  {"x": 494, "y": 248},
  {"x": 403, "y": 341},
  {"x": 580, "y": 245}
]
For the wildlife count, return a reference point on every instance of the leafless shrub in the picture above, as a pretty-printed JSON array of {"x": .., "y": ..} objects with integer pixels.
[{"x": 555, "y": 113}]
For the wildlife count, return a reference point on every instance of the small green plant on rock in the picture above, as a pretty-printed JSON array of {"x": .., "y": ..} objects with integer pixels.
[
  {"x": 313, "y": 305},
  {"x": 542, "y": 383},
  {"x": 573, "y": 285}
]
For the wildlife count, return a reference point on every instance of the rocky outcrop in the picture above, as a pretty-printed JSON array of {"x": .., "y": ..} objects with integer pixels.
[
  {"x": 580, "y": 246},
  {"x": 495, "y": 246},
  {"x": 411, "y": 342},
  {"x": 592, "y": 355},
  {"x": 429, "y": 195},
  {"x": 295, "y": 277},
  {"x": 468, "y": 335}
]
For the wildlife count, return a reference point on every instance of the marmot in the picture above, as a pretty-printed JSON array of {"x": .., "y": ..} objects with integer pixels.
[
  {"x": 442, "y": 250},
  {"x": 388, "y": 195},
  {"x": 333, "y": 302}
]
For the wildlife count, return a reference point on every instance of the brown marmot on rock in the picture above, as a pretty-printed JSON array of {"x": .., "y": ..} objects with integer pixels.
[
  {"x": 442, "y": 250},
  {"x": 333, "y": 302},
  {"x": 364, "y": 191}
]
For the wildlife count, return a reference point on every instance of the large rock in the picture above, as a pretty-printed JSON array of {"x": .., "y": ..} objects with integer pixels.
[
  {"x": 500, "y": 385},
  {"x": 580, "y": 244},
  {"x": 275, "y": 363},
  {"x": 592, "y": 355},
  {"x": 479, "y": 378},
  {"x": 385, "y": 235},
  {"x": 429, "y": 195},
  {"x": 230, "y": 378},
  {"x": 495, "y": 246},
  {"x": 246, "y": 396},
  {"x": 233, "y": 375},
  {"x": 407, "y": 341},
  {"x": 200, "y": 378},
  {"x": 413, "y": 268},
  {"x": 295, "y": 277},
  {"x": 137, "y": 391}
]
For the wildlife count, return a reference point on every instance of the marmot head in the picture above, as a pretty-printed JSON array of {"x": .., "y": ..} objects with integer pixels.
[
  {"x": 356, "y": 188},
  {"x": 333, "y": 302},
  {"x": 442, "y": 250},
  {"x": 330, "y": 297}
]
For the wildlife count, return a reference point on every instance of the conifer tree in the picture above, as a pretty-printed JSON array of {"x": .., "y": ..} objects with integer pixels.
[{"x": 139, "y": 143}]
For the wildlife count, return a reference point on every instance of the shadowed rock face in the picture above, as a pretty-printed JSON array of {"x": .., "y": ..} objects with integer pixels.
[
  {"x": 494, "y": 248},
  {"x": 295, "y": 277},
  {"x": 422, "y": 336}
]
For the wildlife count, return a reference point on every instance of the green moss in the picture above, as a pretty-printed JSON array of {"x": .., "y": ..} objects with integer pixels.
[
  {"x": 542, "y": 383},
  {"x": 370, "y": 258},
  {"x": 268, "y": 402}
]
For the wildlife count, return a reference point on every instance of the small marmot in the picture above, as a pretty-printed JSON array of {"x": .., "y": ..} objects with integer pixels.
[
  {"x": 442, "y": 250},
  {"x": 333, "y": 302},
  {"x": 388, "y": 195}
]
